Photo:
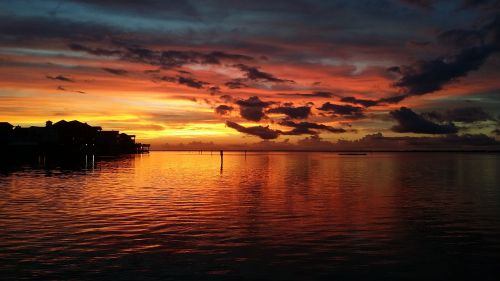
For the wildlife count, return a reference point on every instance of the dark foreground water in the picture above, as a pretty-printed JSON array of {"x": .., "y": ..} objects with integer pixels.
[{"x": 266, "y": 216}]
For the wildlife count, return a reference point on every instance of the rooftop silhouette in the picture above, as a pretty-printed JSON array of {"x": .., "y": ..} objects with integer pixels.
[{"x": 66, "y": 138}]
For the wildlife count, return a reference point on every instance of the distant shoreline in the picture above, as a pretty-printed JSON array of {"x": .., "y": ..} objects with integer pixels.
[{"x": 331, "y": 151}]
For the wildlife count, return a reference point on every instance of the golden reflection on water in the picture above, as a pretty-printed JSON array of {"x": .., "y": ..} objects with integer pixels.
[{"x": 294, "y": 214}]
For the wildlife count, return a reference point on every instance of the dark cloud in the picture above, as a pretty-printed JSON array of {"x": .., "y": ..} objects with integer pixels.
[
  {"x": 236, "y": 84},
  {"x": 182, "y": 80},
  {"x": 322, "y": 94},
  {"x": 171, "y": 79},
  {"x": 496, "y": 132},
  {"x": 301, "y": 112},
  {"x": 379, "y": 142},
  {"x": 214, "y": 90},
  {"x": 254, "y": 74},
  {"x": 61, "y": 88},
  {"x": 307, "y": 128},
  {"x": 343, "y": 110},
  {"x": 492, "y": 31},
  {"x": 395, "y": 69},
  {"x": 260, "y": 131},
  {"x": 463, "y": 114},
  {"x": 164, "y": 58},
  {"x": 363, "y": 102},
  {"x": 301, "y": 128},
  {"x": 319, "y": 94},
  {"x": 393, "y": 99},
  {"x": 191, "y": 82},
  {"x": 429, "y": 76},
  {"x": 252, "y": 109},
  {"x": 115, "y": 71},
  {"x": 411, "y": 122},
  {"x": 253, "y": 102},
  {"x": 462, "y": 38},
  {"x": 183, "y": 97},
  {"x": 60, "y": 78},
  {"x": 223, "y": 109},
  {"x": 95, "y": 51},
  {"x": 173, "y": 58},
  {"x": 469, "y": 140},
  {"x": 215, "y": 57},
  {"x": 252, "y": 113}
]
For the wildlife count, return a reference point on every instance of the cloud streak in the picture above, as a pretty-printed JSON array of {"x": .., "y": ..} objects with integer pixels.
[
  {"x": 115, "y": 71},
  {"x": 259, "y": 131},
  {"x": 60, "y": 78},
  {"x": 164, "y": 58},
  {"x": 337, "y": 110},
  {"x": 254, "y": 74},
  {"x": 308, "y": 128}
]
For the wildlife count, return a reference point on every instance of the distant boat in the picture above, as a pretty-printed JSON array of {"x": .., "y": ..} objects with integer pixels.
[{"x": 352, "y": 153}]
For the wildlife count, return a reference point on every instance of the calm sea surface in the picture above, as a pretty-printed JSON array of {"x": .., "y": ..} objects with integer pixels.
[{"x": 266, "y": 216}]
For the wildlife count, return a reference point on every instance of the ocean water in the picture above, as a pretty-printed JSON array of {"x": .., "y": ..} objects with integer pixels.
[{"x": 263, "y": 216}]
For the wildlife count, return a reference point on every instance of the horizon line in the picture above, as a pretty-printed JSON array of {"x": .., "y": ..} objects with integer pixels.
[{"x": 329, "y": 151}]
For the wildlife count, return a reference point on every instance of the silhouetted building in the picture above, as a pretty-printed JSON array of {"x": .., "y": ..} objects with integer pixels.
[
  {"x": 4, "y": 126},
  {"x": 66, "y": 137},
  {"x": 5, "y": 132}
]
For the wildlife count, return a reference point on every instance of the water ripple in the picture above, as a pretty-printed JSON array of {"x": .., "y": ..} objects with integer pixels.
[{"x": 266, "y": 216}]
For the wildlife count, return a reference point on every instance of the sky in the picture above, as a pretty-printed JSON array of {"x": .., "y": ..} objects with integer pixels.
[{"x": 258, "y": 74}]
